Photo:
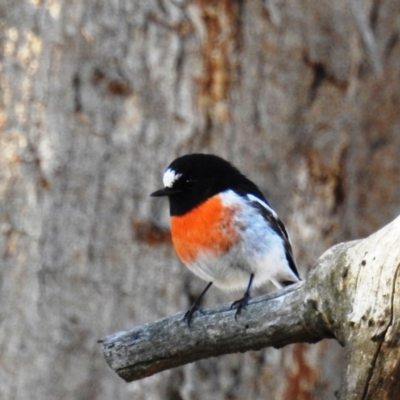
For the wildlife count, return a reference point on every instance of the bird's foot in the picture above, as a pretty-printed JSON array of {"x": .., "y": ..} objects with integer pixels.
[
  {"x": 189, "y": 313},
  {"x": 240, "y": 304}
]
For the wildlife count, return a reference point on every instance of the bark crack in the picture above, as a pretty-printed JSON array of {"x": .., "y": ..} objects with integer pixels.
[
  {"x": 382, "y": 338},
  {"x": 102, "y": 172}
]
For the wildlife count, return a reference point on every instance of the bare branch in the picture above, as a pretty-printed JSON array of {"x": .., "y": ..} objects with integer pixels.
[{"x": 276, "y": 320}]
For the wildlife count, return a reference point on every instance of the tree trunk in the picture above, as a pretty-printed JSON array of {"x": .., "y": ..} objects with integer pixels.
[{"x": 97, "y": 97}]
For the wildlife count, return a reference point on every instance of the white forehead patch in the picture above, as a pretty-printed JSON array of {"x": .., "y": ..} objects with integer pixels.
[{"x": 170, "y": 176}]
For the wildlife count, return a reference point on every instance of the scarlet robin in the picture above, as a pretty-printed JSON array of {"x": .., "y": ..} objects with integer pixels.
[{"x": 223, "y": 228}]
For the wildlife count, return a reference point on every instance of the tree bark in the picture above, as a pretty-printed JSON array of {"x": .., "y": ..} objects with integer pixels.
[
  {"x": 330, "y": 303},
  {"x": 97, "y": 97}
]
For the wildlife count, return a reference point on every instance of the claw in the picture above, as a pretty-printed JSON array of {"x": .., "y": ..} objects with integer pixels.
[
  {"x": 240, "y": 304},
  {"x": 189, "y": 313},
  {"x": 195, "y": 307}
]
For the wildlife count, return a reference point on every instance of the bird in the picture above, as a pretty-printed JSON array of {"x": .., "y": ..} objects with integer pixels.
[{"x": 224, "y": 230}]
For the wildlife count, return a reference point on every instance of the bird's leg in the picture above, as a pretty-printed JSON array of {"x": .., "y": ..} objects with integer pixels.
[
  {"x": 195, "y": 306},
  {"x": 241, "y": 303}
]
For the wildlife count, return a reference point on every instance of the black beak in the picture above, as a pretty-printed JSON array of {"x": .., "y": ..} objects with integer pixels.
[{"x": 162, "y": 192}]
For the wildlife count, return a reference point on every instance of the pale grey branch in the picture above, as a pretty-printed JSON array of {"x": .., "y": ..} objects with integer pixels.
[{"x": 279, "y": 319}]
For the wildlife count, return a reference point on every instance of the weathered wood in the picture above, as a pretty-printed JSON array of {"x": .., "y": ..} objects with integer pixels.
[
  {"x": 275, "y": 320},
  {"x": 352, "y": 295},
  {"x": 367, "y": 317},
  {"x": 97, "y": 97}
]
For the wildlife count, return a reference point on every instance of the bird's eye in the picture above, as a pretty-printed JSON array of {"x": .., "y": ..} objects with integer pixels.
[{"x": 189, "y": 183}]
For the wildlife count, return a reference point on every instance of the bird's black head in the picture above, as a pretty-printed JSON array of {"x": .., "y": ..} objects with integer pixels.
[{"x": 192, "y": 179}]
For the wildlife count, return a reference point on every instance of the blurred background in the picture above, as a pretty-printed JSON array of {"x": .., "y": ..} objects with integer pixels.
[{"x": 97, "y": 97}]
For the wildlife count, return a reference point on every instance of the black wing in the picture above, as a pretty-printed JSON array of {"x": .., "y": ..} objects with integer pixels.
[{"x": 277, "y": 225}]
